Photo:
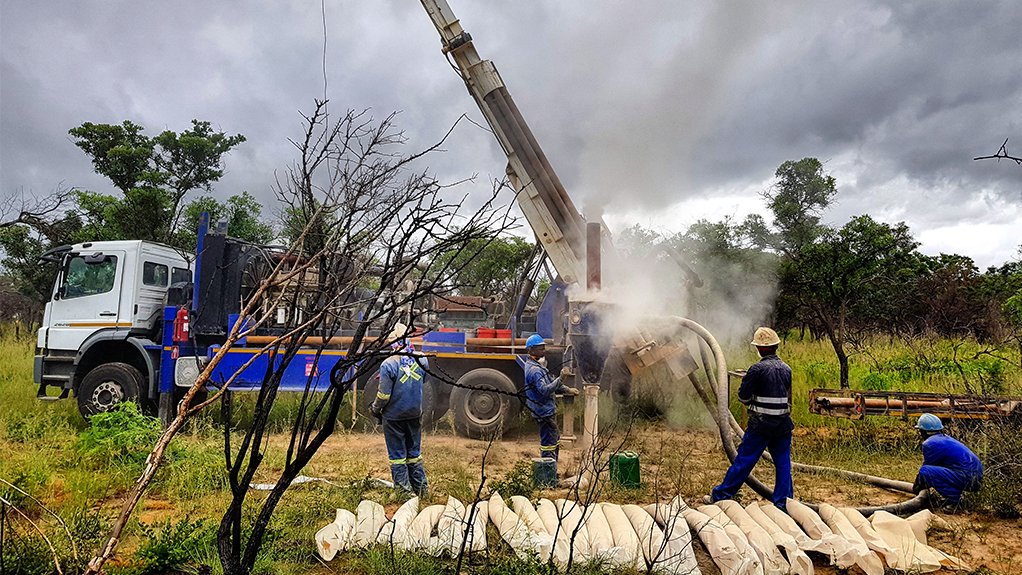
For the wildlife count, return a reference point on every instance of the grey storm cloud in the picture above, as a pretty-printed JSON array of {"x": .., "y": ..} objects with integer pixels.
[{"x": 639, "y": 105}]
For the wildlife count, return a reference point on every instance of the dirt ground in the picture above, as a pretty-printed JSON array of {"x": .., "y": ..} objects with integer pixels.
[{"x": 688, "y": 462}]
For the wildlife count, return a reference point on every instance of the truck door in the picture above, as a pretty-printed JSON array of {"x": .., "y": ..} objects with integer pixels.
[
  {"x": 86, "y": 298},
  {"x": 150, "y": 291}
]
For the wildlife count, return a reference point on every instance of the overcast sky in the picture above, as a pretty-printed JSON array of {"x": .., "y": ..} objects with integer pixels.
[{"x": 658, "y": 113}]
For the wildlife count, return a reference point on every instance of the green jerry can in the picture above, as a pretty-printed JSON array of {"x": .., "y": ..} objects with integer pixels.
[
  {"x": 544, "y": 472},
  {"x": 624, "y": 469}
]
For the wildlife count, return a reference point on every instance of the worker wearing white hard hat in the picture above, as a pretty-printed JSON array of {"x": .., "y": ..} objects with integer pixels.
[
  {"x": 398, "y": 405},
  {"x": 766, "y": 393}
]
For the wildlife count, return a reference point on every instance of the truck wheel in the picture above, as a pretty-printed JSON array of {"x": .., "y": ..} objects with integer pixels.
[
  {"x": 108, "y": 385},
  {"x": 484, "y": 403},
  {"x": 367, "y": 394}
]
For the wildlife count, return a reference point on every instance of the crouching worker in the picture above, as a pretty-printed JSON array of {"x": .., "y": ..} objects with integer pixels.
[
  {"x": 540, "y": 389},
  {"x": 398, "y": 404},
  {"x": 949, "y": 467}
]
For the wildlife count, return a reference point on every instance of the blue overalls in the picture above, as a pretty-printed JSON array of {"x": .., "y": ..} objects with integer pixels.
[
  {"x": 765, "y": 391},
  {"x": 949, "y": 467},
  {"x": 400, "y": 396},
  {"x": 540, "y": 388}
]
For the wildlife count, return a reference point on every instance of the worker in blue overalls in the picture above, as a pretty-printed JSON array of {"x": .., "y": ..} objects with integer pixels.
[
  {"x": 766, "y": 393},
  {"x": 949, "y": 467},
  {"x": 540, "y": 390},
  {"x": 398, "y": 404}
]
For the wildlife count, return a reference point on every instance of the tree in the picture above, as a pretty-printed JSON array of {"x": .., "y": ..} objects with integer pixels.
[
  {"x": 377, "y": 208},
  {"x": 491, "y": 267},
  {"x": 845, "y": 270},
  {"x": 241, "y": 212},
  {"x": 153, "y": 174},
  {"x": 801, "y": 193}
]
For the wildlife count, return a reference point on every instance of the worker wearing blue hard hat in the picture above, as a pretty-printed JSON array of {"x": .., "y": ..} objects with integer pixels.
[
  {"x": 949, "y": 467},
  {"x": 541, "y": 388}
]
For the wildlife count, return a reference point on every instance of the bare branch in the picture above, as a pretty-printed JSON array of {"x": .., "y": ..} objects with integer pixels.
[{"x": 1001, "y": 154}]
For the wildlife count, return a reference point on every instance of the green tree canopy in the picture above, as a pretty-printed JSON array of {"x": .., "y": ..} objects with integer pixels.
[{"x": 153, "y": 173}]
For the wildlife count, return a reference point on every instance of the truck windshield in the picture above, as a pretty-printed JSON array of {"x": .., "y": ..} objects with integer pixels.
[{"x": 89, "y": 277}]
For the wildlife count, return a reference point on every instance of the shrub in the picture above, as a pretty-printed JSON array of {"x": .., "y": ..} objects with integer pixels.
[
  {"x": 517, "y": 481},
  {"x": 122, "y": 435},
  {"x": 169, "y": 546},
  {"x": 876, "y": 382}
]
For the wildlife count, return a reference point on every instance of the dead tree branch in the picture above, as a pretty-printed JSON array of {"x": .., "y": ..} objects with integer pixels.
[{"x": 1001, "y": 154}]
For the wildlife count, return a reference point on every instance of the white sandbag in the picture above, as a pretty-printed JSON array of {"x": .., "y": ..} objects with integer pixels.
[
  {"x": 899, "y": 535},
  {"x": 450, "y": 528},
  {"x": 811, "y": 522},
  {"x": 420, "y": 532},
  {"x": 769, "y": 555},
  {"x": 561, "y": 550},
  {"x": 722, "y": 549},
  {"x": 799, "y": 562},
  {"x": 834, "y": 546},
  {"x": 680, "y": 558},
  {"x": 527, "y": 513},
  {"x": 572, "y": 516},
  {"x": 601, "y": 540},
  {"x": 477, "y": 535},
  {"x": 625, "y": 537},
  {"x": 927, "y": 520},
  {"x": 336, "y": 535},
  {"x": 658, "y": 512},
  {"x": 910, "y": 553},
  {"x": 369, "y": 519},
  {"x": 865, "y": 558},
  {"x": 328, "y": 541},
  {"x": 737, "y": 536},
  {"x": 868, "y": 534},
  {"x": 651, "y": 537},
  {"x": 664, "y": 512},
  {"x": 514, "y": 531},
  {"x": 395, "y": 532}
]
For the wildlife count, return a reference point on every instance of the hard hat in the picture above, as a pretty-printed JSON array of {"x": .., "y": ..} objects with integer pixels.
[
  {"x": 929, "y": 422},
  {"x": 534, "y": 340},
  {"x": 398, "y": 333},
  {"x": 765, "y": 337}
]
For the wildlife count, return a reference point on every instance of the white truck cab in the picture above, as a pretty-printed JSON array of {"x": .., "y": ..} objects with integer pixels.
[{"x": 99, "y": 335}]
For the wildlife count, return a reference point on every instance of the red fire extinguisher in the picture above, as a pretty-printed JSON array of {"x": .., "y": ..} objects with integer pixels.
[{"x": 181, "y": 325}]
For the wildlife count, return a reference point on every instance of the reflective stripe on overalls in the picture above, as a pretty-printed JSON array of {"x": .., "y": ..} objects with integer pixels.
[
  {"x": 769, "y": 405},
  {"x": 409, "y": 372}
]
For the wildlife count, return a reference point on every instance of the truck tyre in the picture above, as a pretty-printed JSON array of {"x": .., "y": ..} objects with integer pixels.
[
  {"x": 108, "y": 385},
  {"x": 484, "y": 403},
  {"x": 367, "y": 394}
]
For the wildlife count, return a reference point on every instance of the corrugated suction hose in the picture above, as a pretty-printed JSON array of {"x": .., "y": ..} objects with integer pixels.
[{"x": 718, "y": 406}]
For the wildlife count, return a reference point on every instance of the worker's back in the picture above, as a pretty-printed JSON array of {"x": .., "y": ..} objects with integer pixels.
[
  {"x": 403, "y": 377},
  {"x": 943, "y": 451}
]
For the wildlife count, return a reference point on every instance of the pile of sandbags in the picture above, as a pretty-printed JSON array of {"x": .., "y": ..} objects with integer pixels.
[{"x": 758, "y": 539}]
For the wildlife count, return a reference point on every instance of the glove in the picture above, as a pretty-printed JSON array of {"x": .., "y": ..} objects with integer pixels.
[
  {"x": 565, "y": 390},
  {"x": 377, "y": 412}
]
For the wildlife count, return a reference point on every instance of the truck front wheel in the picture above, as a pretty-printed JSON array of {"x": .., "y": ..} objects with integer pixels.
[
  {"x": 484, "y": 403},
  {"x": 108, "y": 385}
]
